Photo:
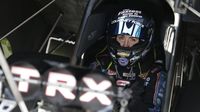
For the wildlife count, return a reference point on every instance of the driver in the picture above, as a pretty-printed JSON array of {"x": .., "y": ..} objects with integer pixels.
[{"x": 131, "y": 56}]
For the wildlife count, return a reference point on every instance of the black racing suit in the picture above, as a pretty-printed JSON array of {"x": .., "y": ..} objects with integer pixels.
[{"x": 150, "y": 78}]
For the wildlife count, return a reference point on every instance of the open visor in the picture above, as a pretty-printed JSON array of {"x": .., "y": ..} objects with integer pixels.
[{"x": 127, "y": 27}]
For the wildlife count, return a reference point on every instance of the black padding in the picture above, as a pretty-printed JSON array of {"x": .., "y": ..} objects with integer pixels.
[
  {"x": 190, "y": 98},
  {"x": 94, "y": 29},
  {"x": 33, "y": 56}
]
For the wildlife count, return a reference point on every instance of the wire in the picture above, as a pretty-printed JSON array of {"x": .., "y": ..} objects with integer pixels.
[
  {"x": 97, "y": 60},
  {"x": 17, "y": 27},
  {"x": 52, "y": 29}
]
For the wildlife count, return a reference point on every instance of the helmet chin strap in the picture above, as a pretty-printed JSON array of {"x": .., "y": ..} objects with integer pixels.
[{"x": 134, "y": 59}]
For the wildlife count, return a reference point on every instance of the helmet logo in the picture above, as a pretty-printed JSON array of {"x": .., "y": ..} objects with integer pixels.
[
  {"x": 125, "y": 28},
  {"x": 130, "y": 13},
  {"x": 123, "y": 61}
]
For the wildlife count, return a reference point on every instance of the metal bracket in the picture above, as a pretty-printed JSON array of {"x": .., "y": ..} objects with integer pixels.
[
  {"x": 179, "y": 8},
  {"x": 190, "y": 8},
  {"x": 182, "y": 6}
]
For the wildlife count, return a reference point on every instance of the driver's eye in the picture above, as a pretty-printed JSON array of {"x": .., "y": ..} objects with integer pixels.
[
  {"x": 121, "y": 37},
  {"x": 133, "y": 39}
]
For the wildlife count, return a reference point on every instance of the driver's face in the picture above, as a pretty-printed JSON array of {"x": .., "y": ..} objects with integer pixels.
[{"x": 126, "y": 40}]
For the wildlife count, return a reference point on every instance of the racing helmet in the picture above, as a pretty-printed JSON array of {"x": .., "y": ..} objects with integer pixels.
[{"x": 136, "y": 26}]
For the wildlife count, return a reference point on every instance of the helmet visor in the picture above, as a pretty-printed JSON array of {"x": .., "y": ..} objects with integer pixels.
[{"x": 128, "y": 27}]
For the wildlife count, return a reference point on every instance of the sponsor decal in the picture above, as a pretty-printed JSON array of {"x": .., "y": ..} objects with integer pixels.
[
  {"x": 67, "y": 80},
  {"x": 111, "y": 72},
  {"x": 129, "y": 74},
  {"x": 61, "y": 85},
  {"x": 99, "y": 97},
  {"x": 146, "y": 83},
  {"x": 24, "y": 74},
  {"x": 123, "y": 53},
  {"x": 122, "y": 83},
  {"x": 102, "y": 86},
  {"x": 123, "y": 61}
]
